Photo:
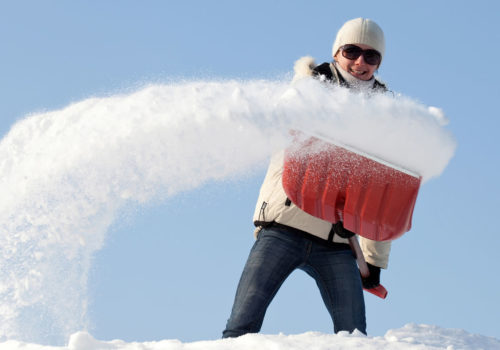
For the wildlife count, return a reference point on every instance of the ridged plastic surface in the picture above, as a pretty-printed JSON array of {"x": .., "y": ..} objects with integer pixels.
[{"x": 372, "y": 198}]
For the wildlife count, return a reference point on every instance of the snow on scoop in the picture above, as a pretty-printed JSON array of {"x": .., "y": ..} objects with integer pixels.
[{"x": 334, "y": 182}]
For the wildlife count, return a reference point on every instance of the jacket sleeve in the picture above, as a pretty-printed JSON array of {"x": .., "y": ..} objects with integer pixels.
[{"x": 376, "y": 253}]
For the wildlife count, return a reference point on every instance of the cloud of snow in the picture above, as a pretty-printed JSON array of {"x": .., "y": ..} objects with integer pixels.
[{"x": 66, "y": 174}]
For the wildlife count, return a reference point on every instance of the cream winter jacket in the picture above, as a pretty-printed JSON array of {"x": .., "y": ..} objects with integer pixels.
[{"x": 273, "y": 205}]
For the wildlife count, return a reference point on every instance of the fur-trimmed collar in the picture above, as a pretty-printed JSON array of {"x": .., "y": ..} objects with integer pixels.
[{"x": 304, "y": 68}]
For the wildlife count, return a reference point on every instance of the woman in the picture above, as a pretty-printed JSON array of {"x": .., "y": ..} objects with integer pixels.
[{"x": 289, "y": 238}]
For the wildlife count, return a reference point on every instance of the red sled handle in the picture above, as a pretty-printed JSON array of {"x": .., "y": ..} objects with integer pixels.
[{"x": 379, "y": 291}]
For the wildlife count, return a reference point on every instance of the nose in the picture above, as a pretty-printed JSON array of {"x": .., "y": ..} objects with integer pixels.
[{"x": 360, "y": 60}]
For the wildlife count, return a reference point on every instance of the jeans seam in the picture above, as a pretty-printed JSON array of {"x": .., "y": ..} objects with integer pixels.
[
  {"x": 323, "y": 286},
  {"x": 308, "y": 251}
]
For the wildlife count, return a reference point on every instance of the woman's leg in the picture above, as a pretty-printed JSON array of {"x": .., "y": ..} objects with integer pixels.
[
  {"x": 338, "y": 279},
  {"x": 275, "y": 254}
]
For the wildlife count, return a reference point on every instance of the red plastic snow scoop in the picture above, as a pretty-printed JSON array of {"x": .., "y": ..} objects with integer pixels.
[
  {"x": 334, "y": 182},
  {"x": 372, "y": 197}
]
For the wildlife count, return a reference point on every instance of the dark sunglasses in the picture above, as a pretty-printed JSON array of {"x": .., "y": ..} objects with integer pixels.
[{"x": 352, "y": 52}]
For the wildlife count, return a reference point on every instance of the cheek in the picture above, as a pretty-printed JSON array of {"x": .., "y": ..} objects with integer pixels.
[{"x": 343, "y": 63}]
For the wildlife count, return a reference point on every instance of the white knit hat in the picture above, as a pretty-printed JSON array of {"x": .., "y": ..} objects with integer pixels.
[{"x": 360, "y": 31}]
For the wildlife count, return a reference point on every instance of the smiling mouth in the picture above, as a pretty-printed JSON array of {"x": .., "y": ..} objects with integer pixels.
[{"x": 358, "y": 72}]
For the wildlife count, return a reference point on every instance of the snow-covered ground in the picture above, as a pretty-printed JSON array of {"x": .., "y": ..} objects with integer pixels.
[{"x": 410, "y": 337}]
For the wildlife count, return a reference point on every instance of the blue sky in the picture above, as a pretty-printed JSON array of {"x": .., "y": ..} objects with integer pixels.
[{"x": 170, "y": 269}]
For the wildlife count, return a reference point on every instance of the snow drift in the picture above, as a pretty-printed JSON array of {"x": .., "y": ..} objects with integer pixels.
[
  {"x": 65, "y": 175},
  {"x": 410, "y": 337}
]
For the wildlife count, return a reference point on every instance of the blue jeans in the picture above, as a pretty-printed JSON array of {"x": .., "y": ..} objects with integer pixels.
[{"x": 275, "y": 255}]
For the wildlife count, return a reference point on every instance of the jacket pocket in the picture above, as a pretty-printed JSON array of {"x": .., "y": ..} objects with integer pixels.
[{"x": 262, "y": 212}]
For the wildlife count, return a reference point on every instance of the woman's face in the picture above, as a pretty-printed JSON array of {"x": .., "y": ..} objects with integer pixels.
[{"x": 358, "y": 67}]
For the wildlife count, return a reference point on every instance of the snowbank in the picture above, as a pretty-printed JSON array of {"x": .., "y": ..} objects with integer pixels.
[{"x": 410, "y": 337}]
